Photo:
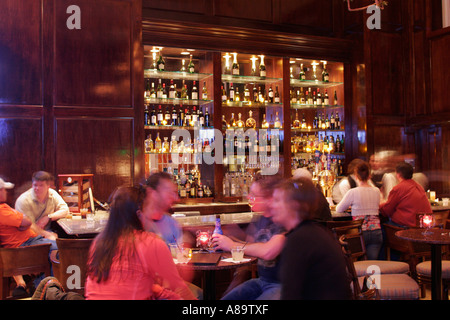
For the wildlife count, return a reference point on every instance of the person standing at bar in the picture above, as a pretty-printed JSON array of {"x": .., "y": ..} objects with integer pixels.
[
  {"x": 364, "y": 201},
  {"x": 312, "y": 263},
  {"x": 405, "y": 199},
  {"x": 42, "y": 204},
  {"x": 265, "y": 240}
]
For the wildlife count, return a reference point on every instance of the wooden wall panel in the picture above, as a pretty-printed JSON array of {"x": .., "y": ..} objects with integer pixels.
[
  {"x": 20, "y": 52},
  {"x": 186, "y": 6},
  {"x": 21, "y": 146},
  {"x": 312, "y": 13},
  {"x": 93, "y": 65},
  {"x": 99, "y": 146},
  {"x": 261, "y": 10},
  {"x": 440, "y": 75}
]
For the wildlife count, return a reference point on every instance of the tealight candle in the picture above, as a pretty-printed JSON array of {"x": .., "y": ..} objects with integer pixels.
[{"x": 432, "y": 196}]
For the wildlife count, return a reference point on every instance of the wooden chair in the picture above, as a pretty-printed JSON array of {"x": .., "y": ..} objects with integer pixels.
[
  {"x": 22, "y": 261},
  {"x": 71, "y": 252},
  {"x": 336, "y": 224},
  {"x": 389, "y": 287},
  {"x": 356, "y": 245}
]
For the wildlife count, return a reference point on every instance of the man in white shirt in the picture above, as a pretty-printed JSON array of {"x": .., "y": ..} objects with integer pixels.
[{"x": 41, "y": 203}]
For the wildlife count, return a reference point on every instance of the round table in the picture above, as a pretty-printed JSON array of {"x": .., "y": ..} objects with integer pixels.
[
  {"x": 436, "y": 238},
  {"x": 209, "y": 272}
]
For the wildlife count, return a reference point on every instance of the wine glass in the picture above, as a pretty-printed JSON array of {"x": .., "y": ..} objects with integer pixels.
[{"x": 251, "y": 202}]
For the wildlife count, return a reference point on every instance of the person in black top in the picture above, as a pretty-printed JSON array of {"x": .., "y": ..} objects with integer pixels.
[{"x": 312, "y": 265}]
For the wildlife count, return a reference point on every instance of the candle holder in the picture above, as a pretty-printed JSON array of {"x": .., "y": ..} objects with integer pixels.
[
  {"x": 427, "y": 222},
  {"x": 203, "y": 240}
]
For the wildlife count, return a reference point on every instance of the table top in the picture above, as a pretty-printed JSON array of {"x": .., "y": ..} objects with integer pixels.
[
  {"x": 432, "y": 236},
  {"x": 83, "y": 226},
  {"x": 222, "y": 265}
]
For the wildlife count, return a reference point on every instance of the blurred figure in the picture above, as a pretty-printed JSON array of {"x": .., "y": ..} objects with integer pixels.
[
  {"x": 312, "y": 263},
  {"x": 42, "y": 204},
  {"x": 125, "y": 262},
  {"x": 323, "y": 212},
  {"x": 405, "y": 199},
  {"x": 265, "y": 241},
  {"x": 364, "y": 201}
]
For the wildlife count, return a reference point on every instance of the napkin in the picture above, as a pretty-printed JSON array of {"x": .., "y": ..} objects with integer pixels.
[{"x": 231, "y": 260}]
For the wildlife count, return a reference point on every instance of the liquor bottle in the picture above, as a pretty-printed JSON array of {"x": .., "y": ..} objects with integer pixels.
[
  {"x": 200, "y": 192},
  {"x": 149, "y": 144},
  {"x": 159, "y": 90},
  {"x": 165, "y": 145},
  {"x": 224, "y": 122},
  {"x": 260, "y": 95},
  {"x": 310, "y": 97},
  {"x": 240, "y": 123},
  {"x": 147, "y": 92},
  {"x": 271, "y": 95},
  {"x": 194, "y": 117},
  {"x": 194, "y": 93},
  {"x": 201, "y": 117},
  {"x": 325, "y": 75},
  {"x": 164, "y": 91},
  {"x": 187, "y": 118},
  {"x": 276, "y": 98},
  {"x": 293, "y": 96},
  {"x": 171, "y": 90},
  {"x": 303, "y": 121},
  {"x": 264, "y": 123},
  {"x": 335, "y": 98},
  {"x": 302, "y": 75},
  {"x": 277, "y": 123},
  {"x": 158, "y": 145},
  {"x": 255, "y": 94},
  {"x": 315, "y": 122},
  {"x": 326, "y": 99},
  {"x": 218, "y": 226},
  {"x": 302, "y": 99},
  {"x": 250, "y": 122},
  {"x": 224, "y": 95},
  {"x": 167, "y": 118},
  {"x": 159, "y": 116},
  {"x": 319, "y": 100},
  {"x": 146, "y": 116},
  {"x": 338, "y": 121},
  {"x": 204, "y": 91},
  {"x": 235, "y": 66},
  {"x": 246, "y": 94},
  {"x": 314, "y": 98},
  {"x": 231, "y": 95},
  {"x": 332, "y": 122},
  {"x": 262, "y": 68},
  {"x": 160, "y": 63},
  {"x": 182, "y": 191},
  {"x": 181, "y": 116},
  {"x": 319, "y": 122},
  {"x": 327, "y": 123},
  {"x": 153, "y": 120},
  {"x": 237, "y": 96},
  {"x": 338, "y": 143},
  {"x": 183, "y": 66},
  {"x": 173, "y": 145},
  {"x": 184, "y": 92},
  {"x": 191, "y": 66},
  {"x": 207, "y": 123},
  {"x": 174, "y": 116},
  {"x": 232, "y": 122},
  {"x": 296, "y": 123}
]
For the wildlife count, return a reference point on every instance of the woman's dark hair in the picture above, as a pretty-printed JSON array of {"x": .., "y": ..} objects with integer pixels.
[
  {"x": 302, "y": 192},
  {"x": 362, "y": 171},
  {"x": 122, "y": 223}
]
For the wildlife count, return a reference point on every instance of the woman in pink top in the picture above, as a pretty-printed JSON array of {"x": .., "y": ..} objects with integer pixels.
[{"x": 128, "y": 263}]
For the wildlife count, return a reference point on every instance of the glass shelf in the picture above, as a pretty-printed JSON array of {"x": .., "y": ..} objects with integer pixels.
[
  {"x": 313, "y": 106},
  {"x": 313, "y": 83},
  {"x": 175, "y": 75},
  {"x": 248, "y": 79},
  {"x": 315, "y": 130},
  {"x": 244, "y": 104},
  {"x": 179, "y": 101},
  {"x": 176, "y": 127}
]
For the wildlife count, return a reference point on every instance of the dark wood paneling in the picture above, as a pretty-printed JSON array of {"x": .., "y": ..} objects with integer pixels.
[
  {"x": 21, "y": 145},
  {"x": 93, "y": 65},
  {"x": 440, "y": 75},
  {"x": 261, "y": 10},
  {"x": 190, "y": 6},
  {"x": 316, "y": 14},
  {"x": 99, "y": 146},
  {"x": 20, "y": 52}
]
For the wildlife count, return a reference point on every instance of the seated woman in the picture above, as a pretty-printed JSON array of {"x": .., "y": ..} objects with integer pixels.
[
  {"x": 312, "y": 264},
  {"x": 364, "y": 201},
  {"x": 126, "y": 262}
]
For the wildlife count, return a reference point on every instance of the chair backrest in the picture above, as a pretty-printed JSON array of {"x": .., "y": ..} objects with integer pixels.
[
  {"x": 72, "y": 252},
  {"x": 358, "y": 293},
  {"x": 344, "y": 223},
  {"x": 440, "y": 218},
  {"x": 354, "y": 240},
  {"x": 24, "y": 260}
]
